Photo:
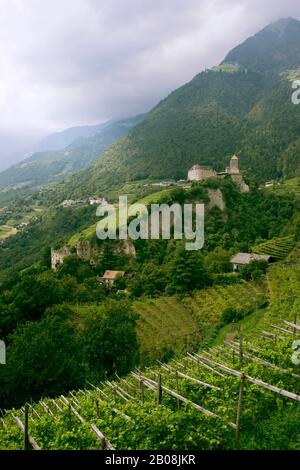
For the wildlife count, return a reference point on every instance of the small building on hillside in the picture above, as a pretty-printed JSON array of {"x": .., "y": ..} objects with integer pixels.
[
  {"x": 73, "y": 202},
  {"x": 241, "y": 259},
  {"x": 109, "y": 277},
  {"x": 98, "y": 201}
]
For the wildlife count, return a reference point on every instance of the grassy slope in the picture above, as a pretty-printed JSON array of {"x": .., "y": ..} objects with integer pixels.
[
  {"x": 290, "y": 186},
  {"x": 88, "y": 233},
  {"x": 6, "y": 231}
]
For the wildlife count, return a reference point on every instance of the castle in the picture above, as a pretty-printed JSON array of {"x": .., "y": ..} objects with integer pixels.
[
  {"x": 86, "y": 251},
  {"x": 200, "y": 173}
]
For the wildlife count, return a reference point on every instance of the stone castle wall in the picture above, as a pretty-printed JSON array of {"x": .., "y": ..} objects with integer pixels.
[{"x": 198, "y": 173}]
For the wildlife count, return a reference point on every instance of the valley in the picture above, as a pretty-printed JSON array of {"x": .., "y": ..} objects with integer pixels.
[{"x": 141, "y": 343}]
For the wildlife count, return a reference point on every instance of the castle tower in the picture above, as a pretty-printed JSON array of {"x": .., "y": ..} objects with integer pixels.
[{"x": 234, "y": 165}]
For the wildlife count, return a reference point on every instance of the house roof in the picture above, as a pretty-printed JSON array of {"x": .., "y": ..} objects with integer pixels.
[
  {"x": 245, "y": 258},
  {"x": 112, "y": 275}
]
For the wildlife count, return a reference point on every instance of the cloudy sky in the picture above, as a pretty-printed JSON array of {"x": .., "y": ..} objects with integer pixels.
[{"x": 70, "y": 62}]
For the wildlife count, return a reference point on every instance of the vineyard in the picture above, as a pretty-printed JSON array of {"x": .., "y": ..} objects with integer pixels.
[
  {"x": 291, "y": 186},
  {"x": 169, "y": 325},
  {"x": 278, "y": 248},
  {"x": 208, "y": 305},
  {"x": 226, "y": 397},
  {"x": 173, "y": 324}
]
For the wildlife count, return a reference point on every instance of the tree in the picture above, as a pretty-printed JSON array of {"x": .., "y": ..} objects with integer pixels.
[
  {"x": 75, "y": 267},
  {"x": 109, "y": 341},
  {"x": 108, "y": 257},
  {"x": 254, "y": 270},
  {"x": 186, "y": 271},
  {"x": 218, "y": 261},
  {"x": 43, "y": 358}
]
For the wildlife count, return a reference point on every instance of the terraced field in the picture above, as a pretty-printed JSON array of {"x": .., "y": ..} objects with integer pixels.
[
  {"x": 6, "y": 231},
  {"x": 291, "y": 186},
  {"x": 166, "y": 326},
  {"x": 217, "y": 399},
  {"x": 171, "y": 325},
  {"x": 278, "y": 248},
  {"x": 208, "y": 305}
]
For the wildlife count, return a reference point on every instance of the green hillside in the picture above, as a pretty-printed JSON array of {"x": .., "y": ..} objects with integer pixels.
[
  {"x": 271, "y": 51},
  {"x": 195, "y": 406},
  {"x": 287, "y": 187},
  {"x": 89, "y": 233},
  {"x": 243, "y": 106},
  {"x": 170, "y": 325},
  {"x": 278, "y": 248},
  {"x": 46, "y": 167}
]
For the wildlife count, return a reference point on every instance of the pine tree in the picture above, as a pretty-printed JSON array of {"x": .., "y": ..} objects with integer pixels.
[
  {"x": 108, "y": 257},
  {"x": 186, "y": 271}
]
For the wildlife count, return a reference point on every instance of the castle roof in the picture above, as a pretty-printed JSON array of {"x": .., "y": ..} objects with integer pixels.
[{"x": 234, "y": 157}]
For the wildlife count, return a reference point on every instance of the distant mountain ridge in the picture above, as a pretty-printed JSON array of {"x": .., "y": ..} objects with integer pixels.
[
  {"x": 60, "y": 140},
  {"x": 43, "y": 167}
]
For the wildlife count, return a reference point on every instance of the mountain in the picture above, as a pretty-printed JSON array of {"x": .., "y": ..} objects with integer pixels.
[
  {"x": 13, "y": 147},
  {"x": 61, "y": 140},
  {"x": 243, "y": 105},
  {"x": 47, "y": 167},
  {"x": 272, "y": 50}
]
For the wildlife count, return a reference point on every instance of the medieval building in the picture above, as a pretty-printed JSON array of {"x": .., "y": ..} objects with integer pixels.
[
  {"x": 58, "y": 256},
  {"x": 200, "y": 173},
  {"x": 84, "y": 250}
]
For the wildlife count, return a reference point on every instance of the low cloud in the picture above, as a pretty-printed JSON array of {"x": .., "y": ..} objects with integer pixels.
[{"x": 69, "y": 62}]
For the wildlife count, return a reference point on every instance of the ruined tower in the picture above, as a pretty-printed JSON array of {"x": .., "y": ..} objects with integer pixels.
[{"x": 234, "y": 165}]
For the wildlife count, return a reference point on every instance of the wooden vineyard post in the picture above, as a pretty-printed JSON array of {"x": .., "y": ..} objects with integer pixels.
[
  {"x": 295, "y": 322},
  {"x": 70, "y": 415},
  {"x": 159, "y": 389},
  {"x": 177, "y": 389},
  {"x": 26, "y": 433},
  {"x": 142, "y": 387},
  {"x": 241, "y": 351},
  {"x": 97, "y": 408},
  {"x": 239, "y": 413}
]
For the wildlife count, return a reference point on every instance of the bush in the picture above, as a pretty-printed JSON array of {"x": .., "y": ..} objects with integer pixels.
[
  {"x": 254, "y": 270},
  {"x": 232, "y": 315}
]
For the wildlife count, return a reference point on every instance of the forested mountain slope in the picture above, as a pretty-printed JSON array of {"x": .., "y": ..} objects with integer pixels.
[
  {"x": 45, "y": 167},
  {"x": 243, "y": 106}
]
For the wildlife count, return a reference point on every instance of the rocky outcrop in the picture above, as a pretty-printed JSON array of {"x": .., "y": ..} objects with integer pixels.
[
  {"x": 240, "y": 182},
  {"x": 216, "y": 199}
]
